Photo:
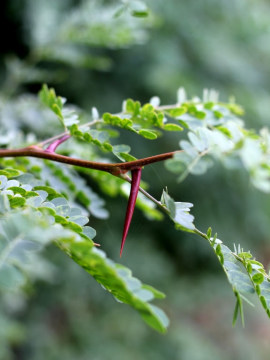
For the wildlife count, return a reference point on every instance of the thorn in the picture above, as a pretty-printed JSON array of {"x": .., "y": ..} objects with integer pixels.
[{"x": 135, "y": 184}]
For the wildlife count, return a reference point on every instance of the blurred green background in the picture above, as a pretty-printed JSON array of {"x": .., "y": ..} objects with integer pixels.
[{"x": 95, "y": 58}]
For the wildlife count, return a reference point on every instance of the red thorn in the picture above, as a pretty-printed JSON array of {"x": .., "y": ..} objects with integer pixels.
[{"x": 135, "y": 184}]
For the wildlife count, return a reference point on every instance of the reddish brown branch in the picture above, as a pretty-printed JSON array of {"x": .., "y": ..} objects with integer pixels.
[{"x": 114, "y": 169}]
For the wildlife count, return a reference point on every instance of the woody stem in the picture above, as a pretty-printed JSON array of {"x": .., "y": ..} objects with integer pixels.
[{"x": 114, "y": 169}]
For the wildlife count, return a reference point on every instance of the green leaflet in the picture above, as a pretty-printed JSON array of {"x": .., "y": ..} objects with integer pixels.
[
  {"x": 147, "y": 134},
  {"x": 172, "y": 127},
  {"x": 122, "y": 152},
  {"x": 177, "y": 111},
  {"x": 9, "y": 172},
  {"x": 179, "y": 212}
]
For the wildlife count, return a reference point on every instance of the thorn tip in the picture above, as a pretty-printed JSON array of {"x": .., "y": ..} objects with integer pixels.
[{"x": 135, "y": 184}]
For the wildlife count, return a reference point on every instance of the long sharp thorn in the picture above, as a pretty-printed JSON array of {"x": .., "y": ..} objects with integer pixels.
[{"x": 135, "y": 184}]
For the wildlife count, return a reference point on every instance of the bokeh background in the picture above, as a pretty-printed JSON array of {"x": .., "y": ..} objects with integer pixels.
[{"x": 95, "y": 56}]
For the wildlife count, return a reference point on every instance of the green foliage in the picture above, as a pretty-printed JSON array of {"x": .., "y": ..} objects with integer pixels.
[
  {"x": 23, "y": 235},
  {"x": 246, "y": 275},
  {"x": 44, "y": 202},
  {"x": 222, "y": 138},
  {"x": 118, "y": 280},
  {"x": 57, "y": 221},
  {"x": 144, "y": 120},
  {"x": 213, "y": 131}
]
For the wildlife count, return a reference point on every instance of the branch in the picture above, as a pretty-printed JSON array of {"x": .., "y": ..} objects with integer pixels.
[{"x": 114, "y": 169}]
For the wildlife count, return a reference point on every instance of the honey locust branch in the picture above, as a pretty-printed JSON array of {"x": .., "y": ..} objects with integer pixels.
[{"x": 112, "y": 168}]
